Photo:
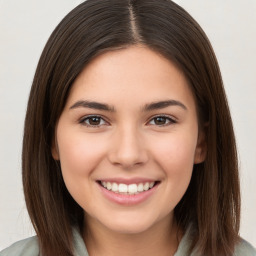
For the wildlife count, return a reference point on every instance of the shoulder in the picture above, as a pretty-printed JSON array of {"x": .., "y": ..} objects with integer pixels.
[
  {"x": 243, "y": 248},
  {"x": 26, "y": 247}
]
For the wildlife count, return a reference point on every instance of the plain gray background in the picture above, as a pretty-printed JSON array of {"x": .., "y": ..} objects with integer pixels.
[{"x": 25, "y": 25}]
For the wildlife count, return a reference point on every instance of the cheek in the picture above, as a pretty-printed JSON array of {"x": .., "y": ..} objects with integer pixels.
[
  {"x": 176, "y": 153},
  {"x": 175, "y": 156},
  {"x": 79, "y": 154}
]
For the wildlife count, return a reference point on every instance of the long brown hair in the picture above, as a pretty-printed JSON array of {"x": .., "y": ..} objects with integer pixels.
[{"x": 212, "y": 201}]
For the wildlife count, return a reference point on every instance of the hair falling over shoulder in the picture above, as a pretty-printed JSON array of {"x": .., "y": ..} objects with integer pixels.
[{"x": 212, "y": 201}]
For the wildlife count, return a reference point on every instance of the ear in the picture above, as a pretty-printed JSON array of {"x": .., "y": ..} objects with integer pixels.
[
  {"x": 201, "y": 147},
  {"x": 55, "y": 149}
]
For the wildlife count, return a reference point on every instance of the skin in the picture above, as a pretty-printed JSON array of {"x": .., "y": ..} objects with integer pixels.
[{"x": 128, "y": 141}]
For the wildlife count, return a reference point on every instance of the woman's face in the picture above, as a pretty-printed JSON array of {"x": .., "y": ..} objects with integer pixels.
[{"x": 127, "y": 140}]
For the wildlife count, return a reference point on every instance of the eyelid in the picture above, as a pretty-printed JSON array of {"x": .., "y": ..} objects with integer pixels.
[
  {"x": 171, "y": 119},
  {"x": 84, "y": 118}
]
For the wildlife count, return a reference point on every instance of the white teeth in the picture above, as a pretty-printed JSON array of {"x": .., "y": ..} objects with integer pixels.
[
  {"x": 122, "y": 188},
  {"x": 109, "y": 186},
  {"x": 140, "y": 187},
  {"x": 151, "y": 184},
  {"x": 132, "y": 189},
  {"x": 146, "y": 186},
  {"x": 127, "y": 189},
  {"x": 114, "y": 187}
]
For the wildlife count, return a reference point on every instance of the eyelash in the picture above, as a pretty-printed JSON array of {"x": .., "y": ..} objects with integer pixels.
[
  {"x": 170, "y": 120},
  {"x": 88, "y": 118}
]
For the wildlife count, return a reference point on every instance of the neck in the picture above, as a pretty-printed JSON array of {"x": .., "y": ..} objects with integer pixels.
[{"x": 162, "y": 237}]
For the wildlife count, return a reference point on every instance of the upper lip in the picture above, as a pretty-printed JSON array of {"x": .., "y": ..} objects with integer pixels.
[{"x": 127, "y": 181}]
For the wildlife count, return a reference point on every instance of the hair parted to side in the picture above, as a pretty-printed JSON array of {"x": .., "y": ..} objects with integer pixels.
[{"x": 212, "y": 201}]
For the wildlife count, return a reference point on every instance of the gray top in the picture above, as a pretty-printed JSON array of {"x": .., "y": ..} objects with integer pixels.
[{"x": 29, "y": 247}]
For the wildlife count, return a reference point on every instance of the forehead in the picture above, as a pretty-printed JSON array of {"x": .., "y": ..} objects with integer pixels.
[{"x": 135, "y": 73}]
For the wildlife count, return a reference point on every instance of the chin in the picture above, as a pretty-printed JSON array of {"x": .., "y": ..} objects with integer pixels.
[
  {"x": 131, "y": 224},
  {"x": 129, "y": 228}
]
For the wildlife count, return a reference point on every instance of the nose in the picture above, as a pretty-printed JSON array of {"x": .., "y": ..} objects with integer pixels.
[{"x": 128, "y": 149}]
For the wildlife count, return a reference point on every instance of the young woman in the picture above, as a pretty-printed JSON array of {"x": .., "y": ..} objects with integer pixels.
[{"x": 128, "y": 144}]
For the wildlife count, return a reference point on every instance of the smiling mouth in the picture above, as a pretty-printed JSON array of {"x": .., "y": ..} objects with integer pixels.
[{"x": 131, "y": 189}]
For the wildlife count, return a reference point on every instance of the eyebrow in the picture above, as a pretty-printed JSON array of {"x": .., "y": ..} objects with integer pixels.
[
  {"x": 146, "y": 108},
  {"x": 163, "y": 104},
  {"x": 92, "y": 105}
]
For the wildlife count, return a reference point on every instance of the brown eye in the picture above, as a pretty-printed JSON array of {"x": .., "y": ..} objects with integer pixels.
[
  {"x": 161, "y": 121},
  {"x": 93, "y": 121}
]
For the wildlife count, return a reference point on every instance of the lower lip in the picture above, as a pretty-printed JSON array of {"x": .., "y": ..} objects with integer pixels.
[{"x": 124, "y": 199}]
